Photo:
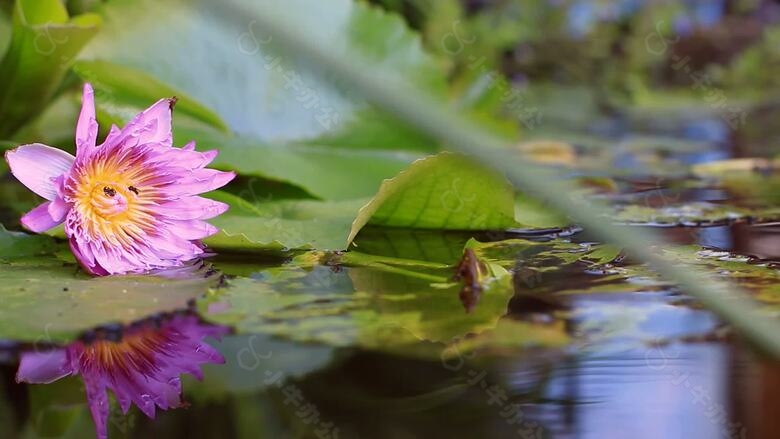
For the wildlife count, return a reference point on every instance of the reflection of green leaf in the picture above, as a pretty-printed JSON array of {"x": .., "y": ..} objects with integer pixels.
[
  {"x": 56, "y": 407},
  {"x": 223, "y": 67},
  {"x": 44, "y": 40},
  {"x": 249, "y": 356},
  {"x": 447, "y": 191},
  {"x": 511, "y": 335},
  {"x": 45, "y": 301},
  {"x": 432, "y": 246}
]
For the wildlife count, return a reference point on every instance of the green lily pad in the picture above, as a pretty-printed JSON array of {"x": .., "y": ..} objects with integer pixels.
[
  {"x": 376, "y": 304},
  {"x": 19, "y": 245},
  {"x": 691, "y": 214},
  {"x": 48, "y": 301}
]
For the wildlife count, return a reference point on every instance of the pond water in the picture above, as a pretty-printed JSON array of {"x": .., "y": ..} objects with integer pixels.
[
  {"x": 592, "y": 345},
  {"x": 697, "y": 381}
]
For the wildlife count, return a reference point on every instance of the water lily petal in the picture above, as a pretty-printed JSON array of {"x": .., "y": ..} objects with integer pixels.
[
  {"x": 192, "y": 229},
  {"x": 87, "y": 126},
  {"x": 98, "y": 403},
  {"x": 43, "y": 367},
  {"x": 200, "y": 181},
  {"x": 40, "y": 219},
  {"x": 193, "y": 208},
  {"x": 36, "y": 165},
  {"x": 153, "y": 125},
  {"x": 58, "y": 209}
]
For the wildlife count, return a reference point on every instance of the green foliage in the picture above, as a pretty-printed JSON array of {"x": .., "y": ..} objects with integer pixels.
[
  {"x": 44, "y": 40},
  {"x": 282, "y": 225},
  {"x": 371, "y": 183},
  {"x": 47, "y": 301},
  {"x": 257, "y": 102},
  {"x": 445, "y": 192},
  {"x": 16, "y": 245},
  {"x": 349, "y": 234}
]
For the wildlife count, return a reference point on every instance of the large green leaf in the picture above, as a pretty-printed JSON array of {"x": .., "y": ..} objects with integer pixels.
[
  {"x": 196, "y": 48},
  {"x": 447, "y": 191},
  {"x": 44, "y": 41},
  {"x": 325, "y": 172},
  {"x": 441, "y": 192},
  {"x": 280, "y": 225},
  {"x": 116, "y": 85},
  {"x": 48, "y": 301}
]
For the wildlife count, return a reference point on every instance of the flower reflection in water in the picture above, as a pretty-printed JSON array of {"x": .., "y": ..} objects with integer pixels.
[{"x": 143, "y": 368}]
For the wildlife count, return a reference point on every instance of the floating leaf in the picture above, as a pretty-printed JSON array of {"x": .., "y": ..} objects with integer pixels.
[
  {"x": 47, "y": 301},
  {"x": 691, "y": 214},
  {"x": 19, "y": 245},
  {"x": 548, "y": 152},
  {"x": 719, "y": 168}
]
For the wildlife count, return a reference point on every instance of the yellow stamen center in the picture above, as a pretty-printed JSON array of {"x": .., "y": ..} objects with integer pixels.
[{"x": 112, "y": 204}]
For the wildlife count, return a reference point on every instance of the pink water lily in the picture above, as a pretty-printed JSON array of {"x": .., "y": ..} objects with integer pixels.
[
  {"x": 144, "y": 368},
  {"x": 130, "y": 204}
]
